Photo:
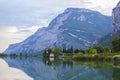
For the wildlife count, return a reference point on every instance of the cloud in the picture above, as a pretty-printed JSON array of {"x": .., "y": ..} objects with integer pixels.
[
  {"x": 30, "y": 12},
  {"x": 12, "y": 34}
]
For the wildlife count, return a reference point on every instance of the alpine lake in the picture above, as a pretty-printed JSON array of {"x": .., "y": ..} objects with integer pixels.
[{"x": 21, "y": 68}]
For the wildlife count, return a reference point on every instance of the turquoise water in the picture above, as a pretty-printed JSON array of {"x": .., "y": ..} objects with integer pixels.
[{"x": 39, "y": 69}]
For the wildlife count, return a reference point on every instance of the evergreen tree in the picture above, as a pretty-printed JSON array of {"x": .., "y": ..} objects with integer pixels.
[
  {"x": 71, "y": 49},
  {"x": 102, "y": 49},
  {"x": 116, "y": 44}
]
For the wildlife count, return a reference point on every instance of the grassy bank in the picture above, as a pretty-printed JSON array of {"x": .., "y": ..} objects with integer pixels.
[
  {"x": 2, "y": 55},
  {"x": 97, "y": 57}
]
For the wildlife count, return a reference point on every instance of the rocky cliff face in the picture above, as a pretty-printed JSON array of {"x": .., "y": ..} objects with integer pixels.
[
  {"x": 116, "y": 19},
  {"x": 107, "y": 40},
  {"x": 74, "y": 27}
]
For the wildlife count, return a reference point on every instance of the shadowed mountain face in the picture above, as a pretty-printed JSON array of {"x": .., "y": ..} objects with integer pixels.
[
  {"x": 35, "y": 68},
  {"x": 74, "y": 27}
]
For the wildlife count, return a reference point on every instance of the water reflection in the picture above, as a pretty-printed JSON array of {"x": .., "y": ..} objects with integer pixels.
[
  {"x": 47, "y": 69},
  {"x": 8, "y": 73}
]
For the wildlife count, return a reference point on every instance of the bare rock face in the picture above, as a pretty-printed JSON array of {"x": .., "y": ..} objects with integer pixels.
[{"x": 116, "y": 19}]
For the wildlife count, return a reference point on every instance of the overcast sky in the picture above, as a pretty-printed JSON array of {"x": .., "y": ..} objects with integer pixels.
[{"x": 21, "y": 18}]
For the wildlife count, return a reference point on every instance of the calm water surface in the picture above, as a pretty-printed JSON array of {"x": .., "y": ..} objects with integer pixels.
[{"x": 38, "y": 69}]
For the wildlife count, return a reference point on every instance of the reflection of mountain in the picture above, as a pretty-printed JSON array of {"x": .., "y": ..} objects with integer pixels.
[
  {"x": 116, "y": 73},
  {"x": 35, "y": 68}
]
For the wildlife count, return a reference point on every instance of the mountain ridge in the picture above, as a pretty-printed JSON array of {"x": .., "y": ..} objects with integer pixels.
[{"x": 75, "y": 27}]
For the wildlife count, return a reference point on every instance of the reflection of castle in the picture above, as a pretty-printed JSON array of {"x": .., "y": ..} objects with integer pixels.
[
  {"x": 68, "y": 64},
  {"x": 51, "y": 55},
  {"x": 35, "y": 68}
]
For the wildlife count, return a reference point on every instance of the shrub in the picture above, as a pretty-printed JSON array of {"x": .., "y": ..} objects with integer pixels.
[{"x": 91, "y": 50}]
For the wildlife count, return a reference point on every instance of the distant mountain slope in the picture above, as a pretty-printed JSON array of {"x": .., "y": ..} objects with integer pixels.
[
  {"x": 75, "y": 27},
  {"x": 107, "y": 40}
]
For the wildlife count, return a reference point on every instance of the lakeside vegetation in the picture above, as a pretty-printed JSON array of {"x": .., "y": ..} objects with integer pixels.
[
  {"x": 97, "y": 53},
  {"x": 2, "y": 55}
]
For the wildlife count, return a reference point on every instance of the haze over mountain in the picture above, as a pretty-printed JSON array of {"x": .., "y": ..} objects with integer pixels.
[{"x": 75, "y": 27}]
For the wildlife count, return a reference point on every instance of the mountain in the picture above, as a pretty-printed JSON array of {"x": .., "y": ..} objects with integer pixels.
[
  {"x": 107, "y": 40},
  {"x": 75, "y": 27}
]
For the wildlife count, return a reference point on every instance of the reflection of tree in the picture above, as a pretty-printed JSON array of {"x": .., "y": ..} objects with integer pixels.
[
  {"x": 116, "y": 73},
  {"x": 58, "y": 62},
  {"x": 93, "y": 64},
  {"x": 67, "y": 64}
]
